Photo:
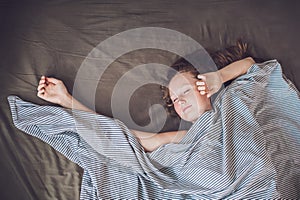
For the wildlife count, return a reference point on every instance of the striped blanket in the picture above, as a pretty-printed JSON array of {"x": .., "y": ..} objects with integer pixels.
[{"x": 239, "y": 149}]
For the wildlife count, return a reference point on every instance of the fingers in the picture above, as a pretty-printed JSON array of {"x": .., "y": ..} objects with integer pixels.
[
  {"x": 47, "y": 80},
  {"x": 42, "y": 80},
  {"x": 202, "y": 90},
  {"x": 53, "y": 80},
  {"x": 41, "y": 86},
  {"x": 41, "y": 93},
  {"x": 209, "y": 83},
  {"x": 201, "y": 84},
  {"x": 42, "y": 83},
  {"x": 201, "y": 77},
  {"x": 201, "y": 87}
]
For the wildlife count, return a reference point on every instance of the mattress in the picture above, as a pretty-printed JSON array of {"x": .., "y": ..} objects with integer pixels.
[{"x": 55, "y": 38}]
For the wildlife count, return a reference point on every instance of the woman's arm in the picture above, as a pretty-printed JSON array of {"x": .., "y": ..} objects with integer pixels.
[
  {"x": 151, "y": 141},
  {"x": 236, "y": 69},
  {"x": 211, "y": 82},
  {"x": 54, "y": 91}
]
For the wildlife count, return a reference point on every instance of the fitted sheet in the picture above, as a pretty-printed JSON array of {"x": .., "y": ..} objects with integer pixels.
[
  {"x": 53, "y": 39},
  {"x": 230, "y": 152}
]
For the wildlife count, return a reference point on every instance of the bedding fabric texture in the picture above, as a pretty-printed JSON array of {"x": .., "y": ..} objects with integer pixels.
[
  {"x": 228, "y": 153},
  {"x": 53, "y": 38}
]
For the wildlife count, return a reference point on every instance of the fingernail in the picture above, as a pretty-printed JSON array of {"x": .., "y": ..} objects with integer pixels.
[{"x": 200, "y": 83}]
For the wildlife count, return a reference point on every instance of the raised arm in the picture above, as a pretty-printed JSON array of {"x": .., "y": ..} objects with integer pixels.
[
  {"x": 236, "y": 69},
  {"x": 211, "y": 82}
]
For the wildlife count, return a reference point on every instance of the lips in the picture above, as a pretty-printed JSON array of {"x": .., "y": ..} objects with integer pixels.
[{"x": 185, "y": 108}]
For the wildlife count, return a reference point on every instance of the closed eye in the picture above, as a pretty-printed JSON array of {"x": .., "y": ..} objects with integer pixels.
[
  {"x": 186, "y": 91},
  {"x": 175, "y": 100}
]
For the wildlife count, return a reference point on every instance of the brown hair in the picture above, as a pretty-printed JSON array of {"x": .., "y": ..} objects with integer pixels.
[
  {"x": 230, "y": 54},
  {"x": 221, "y": 59}
]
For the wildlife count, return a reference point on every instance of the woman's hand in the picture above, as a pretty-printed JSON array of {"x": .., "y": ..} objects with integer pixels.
[
  {"x": 209, "y": 83},
  {"x": 53, "y": 90}
]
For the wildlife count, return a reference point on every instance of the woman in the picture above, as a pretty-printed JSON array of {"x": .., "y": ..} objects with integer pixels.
[
  {"x": 224, "y": 154},
  {"x": 190, "y": 97}
]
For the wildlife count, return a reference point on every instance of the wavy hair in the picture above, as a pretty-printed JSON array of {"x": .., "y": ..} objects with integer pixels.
[{"x": 221, "y": 59}]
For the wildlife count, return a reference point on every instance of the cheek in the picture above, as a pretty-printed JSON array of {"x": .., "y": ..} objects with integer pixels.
[
  {"x": 193, "y": 98},
  {"x": 198, "y": 100},
  {"x": 203, "y": 102},
  {"x": 177, "y": 108}
]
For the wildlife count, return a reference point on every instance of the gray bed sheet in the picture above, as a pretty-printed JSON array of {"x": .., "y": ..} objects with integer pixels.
[{"x": 53, "y": 38}]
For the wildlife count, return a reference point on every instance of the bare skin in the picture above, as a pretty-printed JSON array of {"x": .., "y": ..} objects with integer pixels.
[{"x": 54, "y": 91}]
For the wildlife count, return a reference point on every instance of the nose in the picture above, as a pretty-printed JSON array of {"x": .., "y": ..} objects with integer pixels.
[{"x": 181, "y": 101}]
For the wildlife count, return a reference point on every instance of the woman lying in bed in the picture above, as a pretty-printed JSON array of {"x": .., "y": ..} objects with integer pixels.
[
  {"x": 189, "y": 96},
  {"x": 236, "y": 150}
]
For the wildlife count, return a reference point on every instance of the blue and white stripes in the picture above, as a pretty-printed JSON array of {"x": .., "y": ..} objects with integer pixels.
[{"x": 248, "y": 146}]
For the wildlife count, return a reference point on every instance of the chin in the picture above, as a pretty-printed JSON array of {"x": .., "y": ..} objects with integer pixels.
[{"x": 191, "y": 119}]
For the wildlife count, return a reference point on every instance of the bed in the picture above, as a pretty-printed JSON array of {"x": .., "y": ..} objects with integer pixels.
[{"x": 54, "y": 38}]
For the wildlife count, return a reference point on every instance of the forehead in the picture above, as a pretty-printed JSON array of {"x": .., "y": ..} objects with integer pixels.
[{"x": 180, "y": 80}]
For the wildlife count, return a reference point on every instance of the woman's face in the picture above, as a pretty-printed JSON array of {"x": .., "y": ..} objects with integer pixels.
[{"x": 188, "y": 102}]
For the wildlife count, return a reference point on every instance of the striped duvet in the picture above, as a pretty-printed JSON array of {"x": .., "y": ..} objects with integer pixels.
[{"x": 239, "y": 149}]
